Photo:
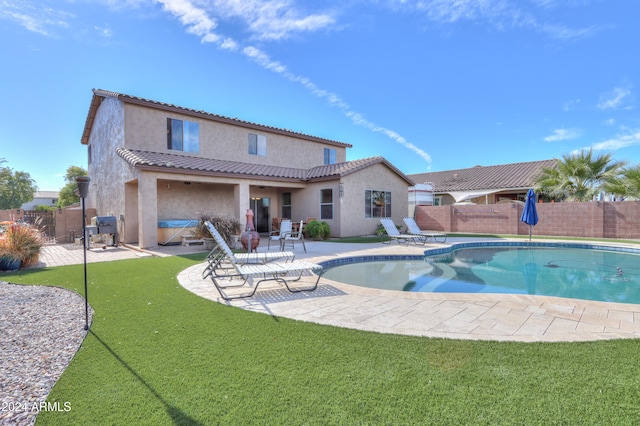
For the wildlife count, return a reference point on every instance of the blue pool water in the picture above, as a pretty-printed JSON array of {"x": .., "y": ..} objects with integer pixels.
[{"x": 574, "y": 271}]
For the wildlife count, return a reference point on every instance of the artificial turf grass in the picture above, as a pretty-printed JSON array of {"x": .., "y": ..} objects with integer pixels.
[{"x": 157, "y": 354}]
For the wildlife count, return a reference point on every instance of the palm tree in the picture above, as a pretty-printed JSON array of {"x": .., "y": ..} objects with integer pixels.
[
  {"x": 627, "y": 184},
  {"x": 578, "y": 176}
]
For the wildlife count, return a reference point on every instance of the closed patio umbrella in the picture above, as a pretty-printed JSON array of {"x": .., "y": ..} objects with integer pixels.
[{"x": 530, "y": 214}]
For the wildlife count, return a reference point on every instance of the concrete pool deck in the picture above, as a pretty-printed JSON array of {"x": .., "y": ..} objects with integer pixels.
[{"x": 505, "y": 317}]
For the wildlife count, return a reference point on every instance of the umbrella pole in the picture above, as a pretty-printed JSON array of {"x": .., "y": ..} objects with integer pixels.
[{"x": 530, "y": 232}]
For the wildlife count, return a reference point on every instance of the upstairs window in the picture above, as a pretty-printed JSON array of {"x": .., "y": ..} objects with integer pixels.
[
  {"x": 329, "y": 156},
  {"x": 377, "y": 203},
  {"x": 326, "y": 204},
  {"x": 257, "y": 145},
  {"x": 183, "y": 135}
]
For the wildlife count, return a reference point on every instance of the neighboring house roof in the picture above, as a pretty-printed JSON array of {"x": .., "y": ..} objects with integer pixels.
[
  {"x": 179, "y": 163},
  {"x": 99, "y": 95},
  {"x": 46, "y": 194},
  {"x": 478, "y": 178}
]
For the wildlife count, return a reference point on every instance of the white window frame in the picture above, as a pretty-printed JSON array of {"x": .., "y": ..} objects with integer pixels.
[
  {"x": 324, "y": 204},
  {"x": 257, "y": 145}
]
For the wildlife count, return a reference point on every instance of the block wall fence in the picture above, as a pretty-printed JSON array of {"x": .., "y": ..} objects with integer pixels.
[
  {"x": 68, "y": 221},
  {"x": 591, "y": 219}
]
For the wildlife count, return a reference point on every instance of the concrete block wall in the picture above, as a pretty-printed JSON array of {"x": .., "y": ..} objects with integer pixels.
[{"x": 590, "y": 220}]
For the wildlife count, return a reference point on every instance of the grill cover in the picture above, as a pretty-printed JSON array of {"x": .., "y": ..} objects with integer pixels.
[{"x": 106, "y": 225}]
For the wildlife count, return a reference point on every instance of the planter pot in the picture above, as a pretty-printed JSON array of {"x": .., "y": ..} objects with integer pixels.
[
  {"x": 209, "y": 243},
  {"x": 9, "y": 264}
]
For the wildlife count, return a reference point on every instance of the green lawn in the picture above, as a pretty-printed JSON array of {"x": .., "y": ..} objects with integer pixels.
[{"x": 159, "y": 355}]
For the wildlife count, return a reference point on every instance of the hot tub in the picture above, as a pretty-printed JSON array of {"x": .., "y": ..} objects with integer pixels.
[{"x": 170, "y": 231}]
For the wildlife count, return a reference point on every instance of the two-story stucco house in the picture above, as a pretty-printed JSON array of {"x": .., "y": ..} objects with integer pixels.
[{"x": 150, "y": 161}]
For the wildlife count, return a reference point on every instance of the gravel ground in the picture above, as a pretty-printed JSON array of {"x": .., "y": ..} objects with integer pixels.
[{"x": 41, "y": 329}]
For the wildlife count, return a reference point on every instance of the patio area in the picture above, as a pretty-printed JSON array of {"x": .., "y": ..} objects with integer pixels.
[{"x": 505, "y": 317}]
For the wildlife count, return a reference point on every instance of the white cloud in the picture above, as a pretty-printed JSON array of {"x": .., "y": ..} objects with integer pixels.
[
  {"x": 620, "y": 141},
  {"x": 570, "y": 105},
  {"x": 194, "y": 18},
  {"x": 614, "y": 99},
  {"x": 562, "y": 135},
  {"x": 500, "y": 14},
  {"x": 34, "y": 17},
  {"x": 104, "y": 32},
  {"x": 562, "y": 32},
  {"x": 272, "y": 19}
]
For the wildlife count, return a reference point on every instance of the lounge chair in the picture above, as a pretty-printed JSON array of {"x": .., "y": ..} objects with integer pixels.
[
  {"x": 238, "y": 274},
  {"x": 292, "y": 237},
  {"x": 217, "y": 264},
  {"x": 412, "y": 226},
  {"x": 393, "y": 233},
  {"x": 277, "y": 235}
]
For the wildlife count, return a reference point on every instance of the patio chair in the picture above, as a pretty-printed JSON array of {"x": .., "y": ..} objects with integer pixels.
[
  {"x": 393, "y": 233},
  {"x": 239, "y": 275},
  {"x": 292, "y": 237},
  {"x": 277, "y": 235},
  {"x": 412, "y": 226},
  {"x": 217, "y": 264}
]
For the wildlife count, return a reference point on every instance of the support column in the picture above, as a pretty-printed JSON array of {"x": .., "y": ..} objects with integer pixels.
[
  {"x": 241, "y": 200},
  {"x": 147, "y": 211}
]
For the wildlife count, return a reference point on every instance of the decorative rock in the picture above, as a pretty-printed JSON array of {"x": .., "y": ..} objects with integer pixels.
[{"x": 42, "y": 329}]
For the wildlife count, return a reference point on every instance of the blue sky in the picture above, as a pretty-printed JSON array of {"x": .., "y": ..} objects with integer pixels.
[{"x": 431, "y": 84}]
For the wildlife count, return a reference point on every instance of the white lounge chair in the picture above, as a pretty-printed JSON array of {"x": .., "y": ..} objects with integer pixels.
[
  {"x": 412, "y": 226},
  {"x": 217, "y": 264},
  {"x": 238, "y": 274},
  {"x": 278, "y": 235},
  {"x": 292, "y": 237},
  {"x": 393, "y": 233}
]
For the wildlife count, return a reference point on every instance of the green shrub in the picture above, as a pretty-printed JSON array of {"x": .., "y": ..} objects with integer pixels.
[{"x": 318, "y": 230}]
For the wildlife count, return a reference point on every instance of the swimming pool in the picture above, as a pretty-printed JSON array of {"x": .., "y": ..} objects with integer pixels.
[{"x": 578, "y": 271}]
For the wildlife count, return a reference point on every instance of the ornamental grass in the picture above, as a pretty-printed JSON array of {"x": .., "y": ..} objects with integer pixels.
[{"x": 21, "y": 242}]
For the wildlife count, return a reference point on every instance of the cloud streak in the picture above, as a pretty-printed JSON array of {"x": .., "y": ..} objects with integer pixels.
[
  {"x": 614, "y": 99},
  {"x": 500, "y": 14},
  {"x": 333, "y": 99},
  {"x": 34, "y": 18},
  {"x": 277, "y": 21},
  {"x": 562, "y": 135},
  {"x": 620, "y": 141}
]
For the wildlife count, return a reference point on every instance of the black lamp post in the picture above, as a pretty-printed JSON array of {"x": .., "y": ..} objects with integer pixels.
[{"x": 83, "y": 190}]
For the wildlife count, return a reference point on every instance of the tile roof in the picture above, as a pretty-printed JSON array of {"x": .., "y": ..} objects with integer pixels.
[
  {"x": 504, "y": 176},
  {"x": 344, "y": 169},
  {"x": 208, "y": 166},
  {"x": 99, "y": 95}
]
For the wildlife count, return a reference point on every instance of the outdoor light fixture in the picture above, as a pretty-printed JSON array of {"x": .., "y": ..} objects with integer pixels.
[
  {"x": 341, "y": 189},
  {"x": 83, "y": 190}
]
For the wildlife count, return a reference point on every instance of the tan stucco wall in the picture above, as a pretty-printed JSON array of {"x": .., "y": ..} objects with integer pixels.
[
  {"x": 179, "y": 201},
  {"x": 307, "y": 204},
  {"x": 146, "y": 129},
  {"x": 107, "y": 170},
  {"x": 377, "y": 177}
]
